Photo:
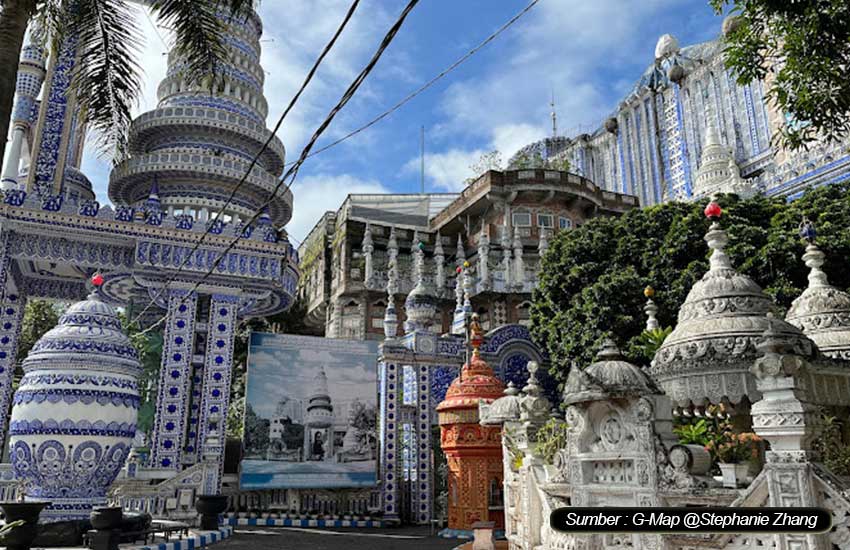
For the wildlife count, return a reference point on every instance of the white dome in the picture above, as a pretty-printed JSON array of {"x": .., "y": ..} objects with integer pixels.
[{"x": 667, "y": 45}]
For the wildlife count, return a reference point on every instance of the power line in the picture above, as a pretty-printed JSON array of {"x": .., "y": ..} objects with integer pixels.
[
  {"x": 262, "y": 150},
  {"x": 292, "y": 173},
  {"x": 430, "y": 83}
]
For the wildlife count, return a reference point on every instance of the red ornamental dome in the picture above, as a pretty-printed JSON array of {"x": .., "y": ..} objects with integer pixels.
[{"x": 477, "y": 383}]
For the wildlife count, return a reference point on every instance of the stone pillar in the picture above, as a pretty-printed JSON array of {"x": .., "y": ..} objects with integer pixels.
[
  {"x": 368, "y": 249},
  {"x": 390, "y": 407},
  {"x": 28, "y": 87},
  {"x": 483, "y": 261},
  {"x": 788, "y": 421},
  {"x": 172, "y": 404}
]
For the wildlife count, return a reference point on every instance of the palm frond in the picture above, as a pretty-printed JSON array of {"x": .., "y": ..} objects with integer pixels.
[
  {"x": 107, "y": 77},
  {"x": 199, "y": 26}
]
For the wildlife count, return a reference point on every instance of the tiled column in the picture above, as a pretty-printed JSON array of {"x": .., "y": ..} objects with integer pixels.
[
  {"x": 390, "y": 444},
  {"x": 11, "y": 313},
  {"x": 422, "y": 488},
  {"x": 174, "y": 383},
  {"x": 218, "y": 366}
]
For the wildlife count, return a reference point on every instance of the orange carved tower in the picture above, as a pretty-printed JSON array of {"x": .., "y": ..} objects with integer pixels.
[{"x": 473, "y": 451}]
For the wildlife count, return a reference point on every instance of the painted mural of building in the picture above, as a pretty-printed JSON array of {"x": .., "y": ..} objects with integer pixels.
[
  {"x": 501, "y": 224},
  {"x": 652, "y": 146}
]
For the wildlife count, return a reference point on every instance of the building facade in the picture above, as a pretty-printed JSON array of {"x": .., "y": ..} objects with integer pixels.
[
  {"x": 501, "y": 224},
  {"x": 160, "y": 252},
  {"x": 652, "y": 145}
]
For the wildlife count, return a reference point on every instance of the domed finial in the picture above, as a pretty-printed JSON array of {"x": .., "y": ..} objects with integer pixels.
[
  {"x": 511, "y": 390},
  {"x": 650, "y": 309},
  {"x": 532, "y": 387},
  {"x": 713, "y": 211},
  {"x": 807, "y": 231},
  {"x": 813, "y": 257},
  {"x": 716, "y": 238},
  {"x": 608, "y": 351}
]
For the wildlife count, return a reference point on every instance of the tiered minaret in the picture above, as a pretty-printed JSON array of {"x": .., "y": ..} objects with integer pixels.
[
  {"x": 200, "y": 144},
  {"x": 319, "y": 418},
  {"x": 31, "y": 74}
]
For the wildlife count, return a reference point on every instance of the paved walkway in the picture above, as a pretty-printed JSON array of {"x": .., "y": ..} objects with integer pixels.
[{"x": 286, "y": 538}]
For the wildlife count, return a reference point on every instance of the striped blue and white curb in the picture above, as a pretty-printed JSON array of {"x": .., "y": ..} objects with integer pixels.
[
  {"x": 271, "y": 522},
  {"x": 194, "y": 540}
]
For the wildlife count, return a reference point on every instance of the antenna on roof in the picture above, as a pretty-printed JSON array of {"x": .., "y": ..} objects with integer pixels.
[
  {"x": 554, "y": 115},
  {"x": 422, "y": 161}
]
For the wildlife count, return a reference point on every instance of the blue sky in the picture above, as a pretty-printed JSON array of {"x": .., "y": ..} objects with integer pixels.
[{"x": 589, "y": 53}]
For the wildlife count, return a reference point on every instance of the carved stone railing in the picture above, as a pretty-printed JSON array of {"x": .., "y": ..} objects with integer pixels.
[{"x": 161, "y": 493}]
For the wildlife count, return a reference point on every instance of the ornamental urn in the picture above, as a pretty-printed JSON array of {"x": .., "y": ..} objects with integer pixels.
[{"x": 74, "y": 413}]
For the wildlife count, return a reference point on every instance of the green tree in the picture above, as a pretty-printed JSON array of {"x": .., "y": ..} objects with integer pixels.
[
  {"x": 149, "y": 345},
  {"x": 39, "y": 317},
  {"x": 107, "y": 77},
  {"x": 802, "y": 50},
  {"x": 592, "y": 279}
]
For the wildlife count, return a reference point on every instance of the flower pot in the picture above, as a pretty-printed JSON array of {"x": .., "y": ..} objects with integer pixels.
[
  {"x": 106, "y": 518},
  {"x": 210, "y": 506},
  {"x": 734, "y": 475},
  {"x": 21, "y": 538}
]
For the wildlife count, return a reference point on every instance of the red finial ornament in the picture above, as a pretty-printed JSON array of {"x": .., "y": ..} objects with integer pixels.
[
  {"x": 97, "y": 279},
  {"x": 459, "y": 269},
  {"x": 713, "y": 211}
]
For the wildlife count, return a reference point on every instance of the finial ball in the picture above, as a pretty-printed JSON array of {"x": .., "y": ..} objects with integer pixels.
[
  {"x": 649, "y": 292},
  {"x": 97, "y": 280},
  {"x": 459, "y": 270},
  {"x": 466, "y": 264},
  {"x": 421, "y": 246},
  {"x": 713, "y": 211}
]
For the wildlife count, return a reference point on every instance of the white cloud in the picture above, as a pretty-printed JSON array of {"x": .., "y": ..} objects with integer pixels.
[
  {"x": 316, "y": 194},
  {"x": 565, "y": 47}
]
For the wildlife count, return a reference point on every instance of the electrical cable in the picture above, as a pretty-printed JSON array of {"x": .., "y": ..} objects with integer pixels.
[
  {"x": 292, "y": 173},
  {"x": 262, "y": 150}
]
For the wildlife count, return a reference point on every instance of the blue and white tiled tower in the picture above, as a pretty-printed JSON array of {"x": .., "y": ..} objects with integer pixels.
[
  {"x": 200, "y": 144},
  {"x": 75, "y": 411}
]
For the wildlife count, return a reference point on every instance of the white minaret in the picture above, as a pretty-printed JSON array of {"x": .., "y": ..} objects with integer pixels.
[{"x": 368, "y": 249}]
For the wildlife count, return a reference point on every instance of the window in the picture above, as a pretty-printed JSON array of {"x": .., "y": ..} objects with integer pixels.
[
  {"x": 565, "y": 223},
  {"x": 521, "y": 219},
  {"x": 544, "y": 220}
]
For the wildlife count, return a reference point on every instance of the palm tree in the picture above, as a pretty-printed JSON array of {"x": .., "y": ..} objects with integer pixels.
[{"x": 107, "y": 76}]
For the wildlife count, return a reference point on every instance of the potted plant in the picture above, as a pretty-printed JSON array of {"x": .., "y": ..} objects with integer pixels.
[
  {"x": 734, "y": 452},
  {"x": 210, "y": 506}
]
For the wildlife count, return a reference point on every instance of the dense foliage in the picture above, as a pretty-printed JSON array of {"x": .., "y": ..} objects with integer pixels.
[
  {"x": 592, "y": 279},
  {"x": 802, "y": 50},
  {"x": 39, "y": 317}
]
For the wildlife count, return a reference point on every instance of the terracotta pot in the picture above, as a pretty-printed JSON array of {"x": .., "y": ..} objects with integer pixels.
[
  {"x": 210, "y": 506},
  {"x": 21, "y": 538}
]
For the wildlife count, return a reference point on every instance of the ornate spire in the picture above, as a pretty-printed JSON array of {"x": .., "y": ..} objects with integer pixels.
[
  {"x": 519, "y": 263},
  {"x": 368, "y": 248},
  {"x": 507, "y": 264},
  {"x": 484, "y": 260},
  {"x": 439, "y": 264},
  {"x": 543, "y": 243},
  {"x": 390, "y": 314},
  {"x": 822, "y": 311},
  {"x": 460, "y": 254},
  {"x": 651, "y": 309},
  {"x": 718, "y": 172}
]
